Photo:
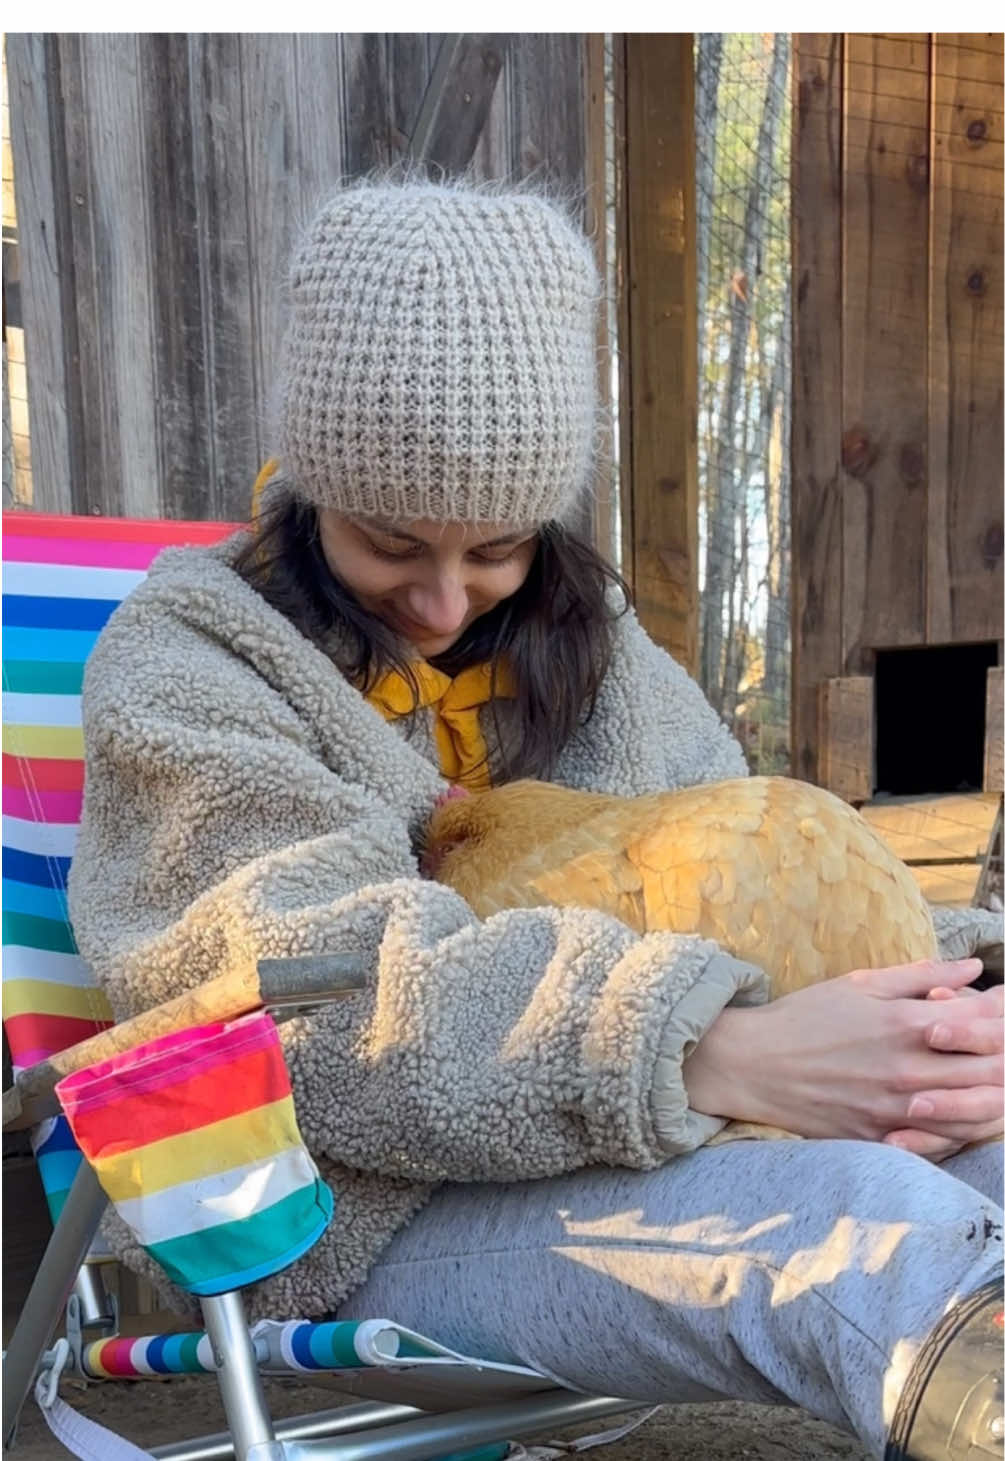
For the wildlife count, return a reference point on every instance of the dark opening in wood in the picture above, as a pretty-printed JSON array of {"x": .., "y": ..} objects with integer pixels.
[{"x": 930, "y": 718}]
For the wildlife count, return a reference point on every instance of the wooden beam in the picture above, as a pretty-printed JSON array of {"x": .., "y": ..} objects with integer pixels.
[
  {"x": 47, "y": 277},
  {"x": 994, "y": 713},
  {"x": 884, "y": 404},
  {"x": 816, "y": 386},
  {"x": 662, "y": 337},
  {"x": 602, "y": 526},
  {"x": 845, "y": 737},
  {"x": 626, "y": 521},
  {"x": 457, "y": 101},
  {"x": 964, "y": 520}
]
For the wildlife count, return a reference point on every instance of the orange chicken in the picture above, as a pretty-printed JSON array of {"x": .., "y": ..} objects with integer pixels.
[{"x": 776, "y": 871}]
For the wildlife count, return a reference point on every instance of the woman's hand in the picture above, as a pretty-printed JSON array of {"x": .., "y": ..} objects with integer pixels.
[
  {"x": 858, "y": 1057},
  {"x": 957, "y": 1032}
]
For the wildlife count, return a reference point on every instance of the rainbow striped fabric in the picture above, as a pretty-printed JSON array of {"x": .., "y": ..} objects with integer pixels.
[
  {"x": 297, "y": 1346},
  {"x": 62, "y": 578},
  {"x": 194, "y": 1138}
]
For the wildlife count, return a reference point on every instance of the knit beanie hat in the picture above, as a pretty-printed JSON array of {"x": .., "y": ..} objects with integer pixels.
[{"x": 440, "y": 360}]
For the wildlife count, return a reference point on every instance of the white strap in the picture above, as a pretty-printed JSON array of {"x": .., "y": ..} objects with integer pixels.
[
  {"x": 554, "y": 1449},
  {"x": 82, "y": 1437}
]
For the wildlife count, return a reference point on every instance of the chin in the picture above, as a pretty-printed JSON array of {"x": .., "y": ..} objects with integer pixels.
[{"x": 430, "y": 648}]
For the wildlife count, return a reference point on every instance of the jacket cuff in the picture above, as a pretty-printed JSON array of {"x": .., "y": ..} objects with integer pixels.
[
  {"x": 961, "y": 932},
  {"x": 725, "y": 981}
]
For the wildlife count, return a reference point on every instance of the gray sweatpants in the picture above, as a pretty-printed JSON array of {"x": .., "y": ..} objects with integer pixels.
[{"x": 801, "y": 1272}]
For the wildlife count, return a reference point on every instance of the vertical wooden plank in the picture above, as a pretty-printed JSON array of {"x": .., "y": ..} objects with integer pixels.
[
  {"x": 119, "y": 228},
  {"x": 409, "y": 68},
  {"x": 663, "y": 336},
  {"x": 91, "y": 406},
  {"x": 994, "y": 716},
  {"x": 455, "y": 108},
  {"x": 225, "y": 271},
  {"x": 271, "y": 133},
  {"x": 621, "y": 286},
  {"x": 43, "y": 270},
  {"x": 492, "y": 157},
  {"x": 816, "y": 384},
  {"x": 885, "y": 343},
  {"x": 182, "y": 417},
  {"x": 845, "y": 737},
  {"x": 965, "y": 538},
  {"x": 547, "y": 114},
  {"x": 365, "y": 93},
  {"x": 595, "y": 221},
  {"x": 320, "y": 108}
]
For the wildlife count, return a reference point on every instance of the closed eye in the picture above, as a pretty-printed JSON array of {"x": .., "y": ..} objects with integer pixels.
[
  {"x": 398, "y": 556},
  {"x": 403, "y": 555}
]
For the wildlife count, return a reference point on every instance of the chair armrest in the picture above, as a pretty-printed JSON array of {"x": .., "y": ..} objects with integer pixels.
[{"x": 286, "y": 985}]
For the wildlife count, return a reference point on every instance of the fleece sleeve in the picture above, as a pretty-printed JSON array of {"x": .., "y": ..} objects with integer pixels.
[{"x": 214, "y": 833}]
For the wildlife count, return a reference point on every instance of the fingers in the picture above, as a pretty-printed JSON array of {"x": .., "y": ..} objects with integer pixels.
[
  {"x": 914, "y": 981},
  {"x": 968, "y": 1114},
  {"x": 927, "y": 1070},
  {"x": 970, "y": 1037},
  {"x": 971, "y": 1026},
  {"x": 924, "y": 1144}
]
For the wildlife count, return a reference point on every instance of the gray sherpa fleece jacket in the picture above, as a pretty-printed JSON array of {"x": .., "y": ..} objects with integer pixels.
[{"x": 243, "y": 800}]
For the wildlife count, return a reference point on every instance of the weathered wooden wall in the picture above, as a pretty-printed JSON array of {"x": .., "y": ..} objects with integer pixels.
[
  {"x": 897, "y": 389},
  {"x": 658, "y": 379},
  {"x": 161, "y": 181}
]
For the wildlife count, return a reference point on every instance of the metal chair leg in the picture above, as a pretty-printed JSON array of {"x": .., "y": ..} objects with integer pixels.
[
  {"x": 240, "y": 1383},
  {"x": 57, "y": 1273}
]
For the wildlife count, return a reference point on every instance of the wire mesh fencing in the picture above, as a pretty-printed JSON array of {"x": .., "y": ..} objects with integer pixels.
[{"x": 743, "y": 133}]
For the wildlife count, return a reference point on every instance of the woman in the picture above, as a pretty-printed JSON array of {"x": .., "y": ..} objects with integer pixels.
[{"x": 269, "y": 725}]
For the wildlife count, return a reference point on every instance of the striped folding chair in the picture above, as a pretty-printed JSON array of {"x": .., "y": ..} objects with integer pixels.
[{"x": 62, "y": 579}]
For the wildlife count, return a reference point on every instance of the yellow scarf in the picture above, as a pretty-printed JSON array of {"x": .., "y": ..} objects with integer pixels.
[{"x": 454, "y": 702}]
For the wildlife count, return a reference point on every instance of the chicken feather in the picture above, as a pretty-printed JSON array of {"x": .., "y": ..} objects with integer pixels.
[{"x": 777, "y": 871}]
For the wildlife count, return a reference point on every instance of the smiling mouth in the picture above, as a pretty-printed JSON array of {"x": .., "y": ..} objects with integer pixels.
[{"x": 416, "y": 631}]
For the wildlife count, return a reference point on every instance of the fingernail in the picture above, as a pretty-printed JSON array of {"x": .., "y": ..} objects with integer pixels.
[
  {"x": 921, "y": 1106},
  {"x": 940, "y": 1035}
]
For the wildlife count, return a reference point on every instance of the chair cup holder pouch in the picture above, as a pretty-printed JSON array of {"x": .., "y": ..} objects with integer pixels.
[{"x": 194, "y": 1138}]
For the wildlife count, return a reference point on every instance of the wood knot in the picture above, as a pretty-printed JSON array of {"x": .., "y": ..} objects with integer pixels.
[
  {"x": 977, "y": 131},
  {"x": 994, "y": 543},
  {"x": 976, "y": 282},
  {"x": 917, "y": 172},
  {"x": 858, "y": 451},
  {"x": 912, "y": 463},
  {"x": 669, "y": 484}
]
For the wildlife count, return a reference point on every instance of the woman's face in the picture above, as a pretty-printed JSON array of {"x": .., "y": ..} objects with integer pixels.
[{"x": 426, "y": 580}]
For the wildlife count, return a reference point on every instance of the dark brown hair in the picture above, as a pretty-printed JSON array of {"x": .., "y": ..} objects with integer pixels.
[{"x": 554, "y": 633}]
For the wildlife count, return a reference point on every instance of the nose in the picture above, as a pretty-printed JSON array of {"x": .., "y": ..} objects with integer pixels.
[{"x": 440, "y": 604}]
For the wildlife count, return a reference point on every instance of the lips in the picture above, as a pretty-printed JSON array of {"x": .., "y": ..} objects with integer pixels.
[
  {"x": 409, "y": 626},
  {"x": 414, "y": 631}
]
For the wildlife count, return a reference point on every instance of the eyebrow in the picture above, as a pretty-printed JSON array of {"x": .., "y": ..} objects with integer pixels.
[{"x": 389, "y": 531}]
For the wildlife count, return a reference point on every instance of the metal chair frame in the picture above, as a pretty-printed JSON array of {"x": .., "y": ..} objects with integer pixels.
[{"x": 372, "y": 1431}]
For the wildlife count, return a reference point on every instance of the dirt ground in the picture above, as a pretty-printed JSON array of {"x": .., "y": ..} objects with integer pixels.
[{"x": 152, "y": 1414}]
